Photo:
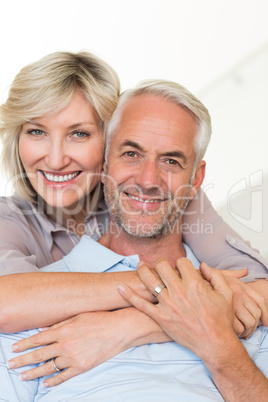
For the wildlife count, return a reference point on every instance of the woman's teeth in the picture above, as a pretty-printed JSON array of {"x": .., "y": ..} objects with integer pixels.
[{"x": 61, "y": 178}]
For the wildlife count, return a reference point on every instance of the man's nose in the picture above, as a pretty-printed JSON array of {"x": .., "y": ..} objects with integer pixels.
[{"x": 149, "y": 175}]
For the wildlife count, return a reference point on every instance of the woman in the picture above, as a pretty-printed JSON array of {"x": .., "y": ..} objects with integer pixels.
[{"x": 52, "y": 129}]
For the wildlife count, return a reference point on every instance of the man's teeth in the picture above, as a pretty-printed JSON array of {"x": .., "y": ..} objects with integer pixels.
[
  {"x": 61, "y": 178},
  {"x": 142, "y": 200}
]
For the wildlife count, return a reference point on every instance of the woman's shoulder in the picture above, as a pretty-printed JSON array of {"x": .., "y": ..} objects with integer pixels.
[
  {"x": 18, "y": 215},
  {"x": 18, "y": 210},
  {"x": 15, "y": 206}
]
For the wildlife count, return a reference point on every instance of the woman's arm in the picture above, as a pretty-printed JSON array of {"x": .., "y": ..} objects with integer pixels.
[
  {"x": 65, "y": 293},
  {"x": 26, "y": 245},
  {"x": 91, "y": 292},
  {"x": 34, "y": 300},
  {"x": 216, "y": 243},
  {"x": 85, "y": 341}
]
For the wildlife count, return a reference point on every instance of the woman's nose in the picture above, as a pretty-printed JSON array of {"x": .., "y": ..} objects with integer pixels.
[{"x": 57, "y": 156}]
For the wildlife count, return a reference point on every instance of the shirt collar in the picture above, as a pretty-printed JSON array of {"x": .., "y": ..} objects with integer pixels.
[{"x": 91, "y": 256}]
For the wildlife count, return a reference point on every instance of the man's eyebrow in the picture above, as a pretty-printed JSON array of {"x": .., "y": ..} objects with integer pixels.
[
  {"x": 176, "y": 154},
  {"x": 128, "y": 143},
  {"x": 171, "y": 154}
]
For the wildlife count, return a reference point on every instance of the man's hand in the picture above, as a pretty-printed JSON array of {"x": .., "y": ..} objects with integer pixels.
[
  {"x": 77, "y": 345},
  {"x": 200, "y": 317},
  {"x": 189, "y": 311}
]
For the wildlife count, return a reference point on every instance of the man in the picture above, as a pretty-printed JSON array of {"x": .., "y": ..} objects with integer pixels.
[{"x": 156, "y": 143}]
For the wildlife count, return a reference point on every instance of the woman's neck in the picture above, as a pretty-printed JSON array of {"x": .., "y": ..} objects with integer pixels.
[{"x": 72, "y": 222}]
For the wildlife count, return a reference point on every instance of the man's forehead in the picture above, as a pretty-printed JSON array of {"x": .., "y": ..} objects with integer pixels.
[{"x": 153, "y": 116}]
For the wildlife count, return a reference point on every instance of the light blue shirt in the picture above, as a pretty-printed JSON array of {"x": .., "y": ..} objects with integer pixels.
[{"x": 153, "y": 372}]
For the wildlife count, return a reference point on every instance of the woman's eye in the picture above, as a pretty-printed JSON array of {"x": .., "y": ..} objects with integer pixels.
[
  {"x": 35, "y": 132},
  {"x": 80, "y": 134}
]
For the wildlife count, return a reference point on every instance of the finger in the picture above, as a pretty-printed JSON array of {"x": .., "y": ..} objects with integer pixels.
[
  {"x": 40, "y": 371},
  {"x": 149, "y": 277},
  {"x": 249, "y": 321},
  {"x": 217, "y": 281},
  {"x": 167, "y": 274},
  {"x": 187, "y": 270},
  {"x": 60, "y": 378},
  {"x": 240, "y": 273},
  {"x": 238, "y": 327},
  {"x": 61, "y": 323},
  {"x": 260, "y": 301},
  {"x": 41, "y": 339},
  {"x": 137, "y": 301},
  {"x": 37, "y": 356}
]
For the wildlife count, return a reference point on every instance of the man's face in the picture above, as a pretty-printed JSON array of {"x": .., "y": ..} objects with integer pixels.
[{"x": 150, "y": 165}]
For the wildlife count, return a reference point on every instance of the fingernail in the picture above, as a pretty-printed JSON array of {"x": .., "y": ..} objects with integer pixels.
[
  {"x": 11, "y": 364},
  {"x": 140, "y": 263},
  {"x": 121, "y": 288},
  {"x": 14, "y": 348},
  {"x": 43, "y": 329},
  {"x": 44, "y": 385},
  {"x": 23, "y": 376}
]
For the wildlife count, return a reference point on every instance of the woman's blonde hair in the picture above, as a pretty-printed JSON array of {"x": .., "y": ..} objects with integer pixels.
[{"x": 44, "y": 88}]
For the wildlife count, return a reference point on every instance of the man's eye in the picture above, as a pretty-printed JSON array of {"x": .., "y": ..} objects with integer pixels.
[
  {"x": 131, "y": 154},
  {"x": 172, "y": 162}
]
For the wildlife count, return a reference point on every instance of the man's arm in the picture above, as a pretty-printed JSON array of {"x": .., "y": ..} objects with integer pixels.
[{"x": 200, "y": 318}]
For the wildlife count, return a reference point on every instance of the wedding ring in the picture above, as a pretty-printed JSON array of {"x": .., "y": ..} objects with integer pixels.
[
  {"x": 55, "y": 366},
  {"x": 158, "y": 289}
]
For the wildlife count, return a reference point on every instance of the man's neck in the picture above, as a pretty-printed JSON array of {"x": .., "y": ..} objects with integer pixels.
[{"x": 168, "y": 246}]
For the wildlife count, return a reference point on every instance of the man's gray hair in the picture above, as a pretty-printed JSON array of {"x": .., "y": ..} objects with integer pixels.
[{"x": 172, "y": 92}]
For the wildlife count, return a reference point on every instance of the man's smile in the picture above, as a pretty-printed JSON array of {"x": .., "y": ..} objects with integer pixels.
[{"x": 145, "y": 200}]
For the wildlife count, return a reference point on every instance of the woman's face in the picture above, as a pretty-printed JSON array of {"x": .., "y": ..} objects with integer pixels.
[{"x": 62, "y": 155}]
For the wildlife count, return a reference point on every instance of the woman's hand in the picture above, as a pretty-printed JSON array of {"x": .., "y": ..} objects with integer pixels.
[
  {"x": 83, "y": 342},
  {"x": 249, "y": 305},
  {"x": 77, "y": 345}
]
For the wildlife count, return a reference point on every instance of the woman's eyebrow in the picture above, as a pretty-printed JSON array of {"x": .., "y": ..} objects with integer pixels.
[
  {"x": 77, "y": 124},
  {"x": 82, "y": 123},
  {"x": 35, "y": 123}
]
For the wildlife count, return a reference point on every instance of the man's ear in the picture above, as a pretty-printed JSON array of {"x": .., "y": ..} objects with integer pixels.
[
  {"x": 198, "y": 178},
  {"x": 103, "y": 172}
]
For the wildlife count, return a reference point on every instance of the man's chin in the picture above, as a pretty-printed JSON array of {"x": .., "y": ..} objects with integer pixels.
[{"x": 144, "y": 230}]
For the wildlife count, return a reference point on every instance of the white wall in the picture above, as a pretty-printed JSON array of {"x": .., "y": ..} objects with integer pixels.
[
  {"x": 217, "y": 49},
  {"x": 237, "y": 165}
]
